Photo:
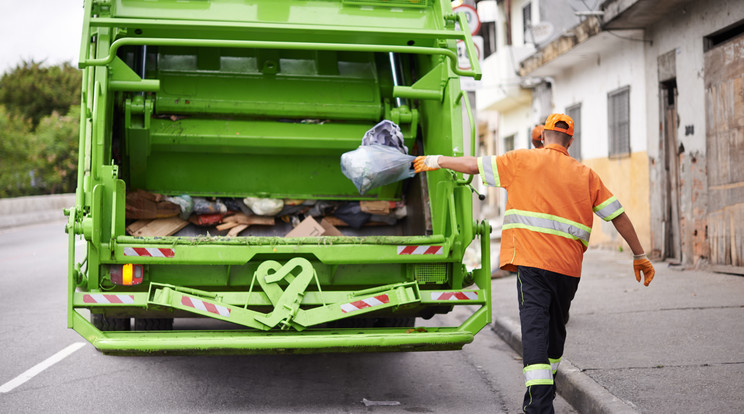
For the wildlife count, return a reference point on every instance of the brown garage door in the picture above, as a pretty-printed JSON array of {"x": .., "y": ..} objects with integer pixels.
[{"x": 724, "y": 100}]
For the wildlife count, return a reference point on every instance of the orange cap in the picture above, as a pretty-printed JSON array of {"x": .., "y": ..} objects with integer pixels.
[{"x": 555, "y": 118}]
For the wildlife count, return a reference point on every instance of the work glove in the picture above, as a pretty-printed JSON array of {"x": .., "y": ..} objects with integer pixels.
[
  {"x": 642, "y": 264},
  {"x": 426, "y": 163}
]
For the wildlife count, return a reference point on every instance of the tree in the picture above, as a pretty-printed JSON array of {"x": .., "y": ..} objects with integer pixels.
[
  {"x": 15, "y": 179},
  {"x": 39, "y": 116},
  {"x": 34, "y": 91}
]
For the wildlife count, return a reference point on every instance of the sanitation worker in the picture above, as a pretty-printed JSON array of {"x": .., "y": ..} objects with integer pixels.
[
  {"x": 537, "y": 140},
  {"x": 548, "y": 218}
]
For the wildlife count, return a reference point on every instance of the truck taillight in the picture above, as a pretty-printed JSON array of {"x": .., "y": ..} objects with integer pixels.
[{"x": 126, "y": 275}]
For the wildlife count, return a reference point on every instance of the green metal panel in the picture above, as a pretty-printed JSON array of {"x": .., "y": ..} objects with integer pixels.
[
  {"x": 260, "y": 98},
  {"x": 252, "y": 82}
]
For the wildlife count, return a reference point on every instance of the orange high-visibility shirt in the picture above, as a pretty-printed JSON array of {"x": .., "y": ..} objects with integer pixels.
[{"x": 549, "y": 206}]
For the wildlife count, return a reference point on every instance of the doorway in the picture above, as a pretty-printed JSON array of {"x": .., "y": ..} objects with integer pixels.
[{"x": 672, "y": 246}]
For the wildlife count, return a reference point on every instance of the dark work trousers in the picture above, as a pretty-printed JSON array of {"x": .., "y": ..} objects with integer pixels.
[{"x": 544, "y": 298}]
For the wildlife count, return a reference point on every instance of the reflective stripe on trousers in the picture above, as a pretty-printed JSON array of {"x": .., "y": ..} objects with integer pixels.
[
  {"x": 554, "y": 365},
  {"x": 538, "y": 374}
]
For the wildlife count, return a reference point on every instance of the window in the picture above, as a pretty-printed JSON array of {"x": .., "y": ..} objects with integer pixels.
[
  {"x": 618, "y": 117},
  {"x": 527, "y": 23},
  {"x": 723, "y": 35},
  {"x": 509, "y": 143},
  {"x": 575, "y": 113},
  {"x": 488, "y": 31}
]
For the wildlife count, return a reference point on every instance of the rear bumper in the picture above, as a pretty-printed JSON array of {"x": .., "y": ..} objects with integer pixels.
[{"x": 227, "y": 342}]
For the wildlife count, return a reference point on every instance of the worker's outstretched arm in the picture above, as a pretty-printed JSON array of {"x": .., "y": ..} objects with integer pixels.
[
  {"x": 640, "y": 261},
  {"x": 465, "y": 165}
]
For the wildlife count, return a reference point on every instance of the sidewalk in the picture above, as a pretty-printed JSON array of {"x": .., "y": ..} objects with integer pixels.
[{"x": 676, "y": 346}]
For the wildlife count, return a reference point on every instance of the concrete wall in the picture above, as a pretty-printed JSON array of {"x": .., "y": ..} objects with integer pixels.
[
  {"x": 499, "y": 88},
  {"x": 683, "y": 33},
  {"x": 627, "y": 178},
  {"x": 21, "y": 211}
]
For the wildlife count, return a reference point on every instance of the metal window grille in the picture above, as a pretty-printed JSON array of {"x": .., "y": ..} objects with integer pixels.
[
  {"x": 527, "y": 21},
  {"x": 618, "y": 116},
  {"x": 575, "y": 113},
  {"x": 509, "y": 143}
]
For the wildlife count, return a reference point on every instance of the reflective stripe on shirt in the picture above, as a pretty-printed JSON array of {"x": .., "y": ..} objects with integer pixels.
[
  {"x": 488, "y": 171},
  {"x": 609, "y": 210},
  {"x": 546, "y": 223}
]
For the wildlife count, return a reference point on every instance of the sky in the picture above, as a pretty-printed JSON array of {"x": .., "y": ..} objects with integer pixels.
[{"x": 40, "y": 30}]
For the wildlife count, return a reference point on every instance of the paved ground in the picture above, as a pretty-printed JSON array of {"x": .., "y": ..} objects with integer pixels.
[
  {"x": 676, "y": 346},
  {"x": 485, "y": 377}
]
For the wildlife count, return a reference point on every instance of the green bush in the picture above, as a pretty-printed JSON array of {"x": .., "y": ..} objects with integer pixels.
[
  {"x": 53, "y": 152},
  {"x": 15, "y": 144}
]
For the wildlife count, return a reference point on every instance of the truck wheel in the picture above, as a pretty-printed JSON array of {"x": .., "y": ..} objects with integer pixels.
[
  {"x": 104, "y": 323},
  {"x": 395, "y": 322},
  {"x": 153, "y": 324}
]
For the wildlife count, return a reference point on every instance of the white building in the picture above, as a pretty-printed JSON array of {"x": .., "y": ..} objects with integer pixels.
[{"x": 512, "y": 30}]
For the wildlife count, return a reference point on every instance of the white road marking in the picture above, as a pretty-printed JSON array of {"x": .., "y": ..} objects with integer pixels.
[{"x": 38, "y": 368}]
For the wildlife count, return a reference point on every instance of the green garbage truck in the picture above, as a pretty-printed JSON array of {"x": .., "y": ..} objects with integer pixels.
[{"x": 226, "y": 100}]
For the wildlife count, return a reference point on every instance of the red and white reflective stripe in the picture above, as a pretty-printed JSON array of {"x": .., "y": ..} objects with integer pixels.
[
  {"x": 365, "y": 303},
  {"x": 101, "y": 298},
  {"x": 420, "y": 249},
  {"x": 148, "y": 251},
  {"x": 205, "y": 306},
  {"x": 454, "y": 296}
]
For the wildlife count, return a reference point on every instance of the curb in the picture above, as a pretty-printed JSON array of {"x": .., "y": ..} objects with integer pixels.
[{"x": 582, "y": 392}]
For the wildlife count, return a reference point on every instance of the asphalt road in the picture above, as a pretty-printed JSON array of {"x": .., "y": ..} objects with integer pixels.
[{"x": 485, "y": 377}]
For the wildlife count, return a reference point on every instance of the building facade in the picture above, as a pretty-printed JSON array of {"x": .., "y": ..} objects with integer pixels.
[
  {"x": 695, "y": 100},
  {"x": 656, "y": 90}
]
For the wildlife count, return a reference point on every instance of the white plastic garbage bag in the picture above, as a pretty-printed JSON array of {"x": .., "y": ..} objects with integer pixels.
[
  {"x": 371, "y": 166},
  {"x": 264, "y": 206}
]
